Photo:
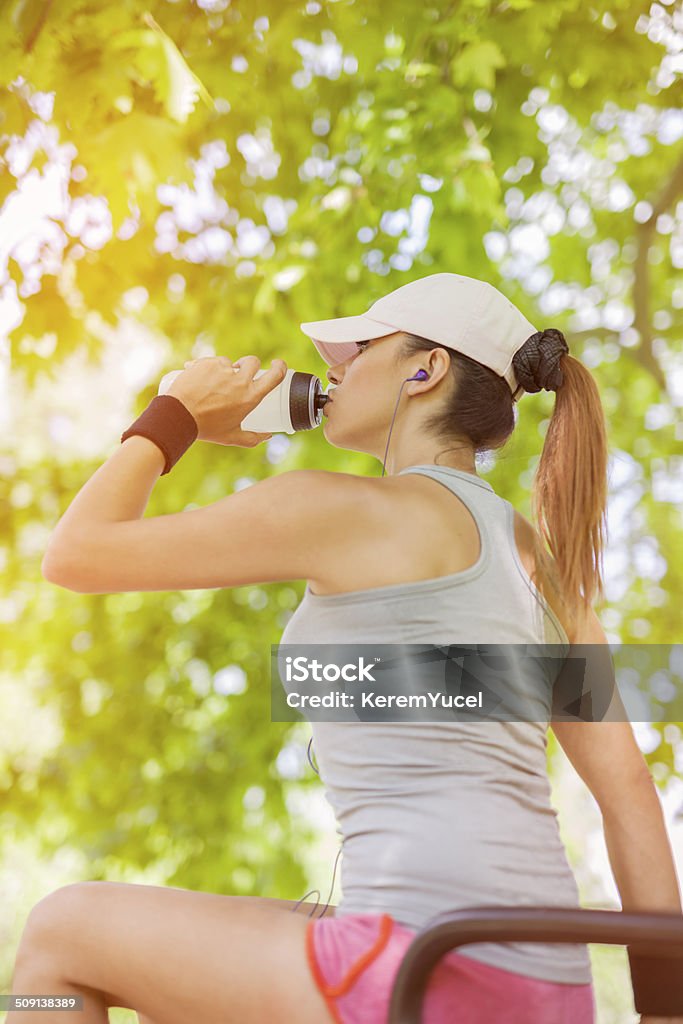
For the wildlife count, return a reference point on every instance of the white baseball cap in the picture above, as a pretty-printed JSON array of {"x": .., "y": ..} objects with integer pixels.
[{"x": 460, "y": 313}]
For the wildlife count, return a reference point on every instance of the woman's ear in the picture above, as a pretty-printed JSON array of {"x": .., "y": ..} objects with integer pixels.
[{"x": 439, "y": 362}]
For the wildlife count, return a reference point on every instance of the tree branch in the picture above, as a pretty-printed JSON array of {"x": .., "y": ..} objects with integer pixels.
[
  {"x": 37, "y": 28},
  {"x": 641, "y": 283}
]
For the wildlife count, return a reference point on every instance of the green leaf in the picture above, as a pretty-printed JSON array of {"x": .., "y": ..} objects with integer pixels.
[
  {"x": 475, "y": 66},
  {"x": 159, "y": 60}
]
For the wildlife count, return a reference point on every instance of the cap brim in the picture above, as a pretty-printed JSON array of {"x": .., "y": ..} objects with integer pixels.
[{"x": 336, "y": 339}]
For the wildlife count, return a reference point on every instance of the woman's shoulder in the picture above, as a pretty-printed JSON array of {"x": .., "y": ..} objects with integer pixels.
[
  {"x": 378, "y": 492},
  {"x": 397, "y": 531}
]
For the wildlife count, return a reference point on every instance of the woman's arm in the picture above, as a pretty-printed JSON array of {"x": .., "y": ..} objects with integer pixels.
[
  {"x": 640, "y": 853},
  {"x": 606, "y": 756},
  {"x": 287, "y": 527},
  {"x": 642, "y": 862},
  {"x": 118, "y": 491}
]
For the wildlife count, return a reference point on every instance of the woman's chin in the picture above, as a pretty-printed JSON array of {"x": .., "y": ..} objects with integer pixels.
[{"x": 329, "y": 434}]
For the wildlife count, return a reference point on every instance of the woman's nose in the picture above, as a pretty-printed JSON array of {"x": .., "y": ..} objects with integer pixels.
[{"x": 335, "y": 374}]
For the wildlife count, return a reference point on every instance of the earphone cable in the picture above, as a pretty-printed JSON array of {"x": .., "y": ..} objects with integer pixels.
[{"x": 391, "y": 426}]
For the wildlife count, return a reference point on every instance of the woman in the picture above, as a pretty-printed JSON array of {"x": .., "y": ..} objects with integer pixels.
[{"x": 428, "y": 546}]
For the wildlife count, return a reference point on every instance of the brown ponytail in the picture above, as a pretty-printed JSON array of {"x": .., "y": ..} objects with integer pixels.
[{"x": 570, "y": 490}]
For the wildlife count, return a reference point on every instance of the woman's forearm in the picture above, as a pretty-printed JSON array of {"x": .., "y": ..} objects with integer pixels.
[
  {"x": 118, "y": 491},
  {"x": 640, "y": 852}
]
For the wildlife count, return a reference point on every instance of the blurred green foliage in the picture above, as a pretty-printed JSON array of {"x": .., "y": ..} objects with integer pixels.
[{"x": 515, "y": 119}]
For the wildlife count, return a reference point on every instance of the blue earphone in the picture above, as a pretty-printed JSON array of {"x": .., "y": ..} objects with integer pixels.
[{"x": 420, "y": 375}]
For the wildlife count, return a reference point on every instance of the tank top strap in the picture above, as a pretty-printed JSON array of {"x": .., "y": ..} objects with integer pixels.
[
  {"x": 485, "y": 506},
  {"x": 448, "y": 474}
]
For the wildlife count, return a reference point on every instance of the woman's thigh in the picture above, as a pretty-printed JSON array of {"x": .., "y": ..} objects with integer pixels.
[{"x": 176, "y": 955}]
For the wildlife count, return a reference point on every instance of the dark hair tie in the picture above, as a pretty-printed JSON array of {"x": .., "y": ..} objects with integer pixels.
[{"x": 537, "y": 362}]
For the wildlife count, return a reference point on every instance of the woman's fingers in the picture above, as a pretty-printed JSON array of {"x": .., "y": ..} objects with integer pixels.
[
  {"x": 249, "y": 366},
  {"x": 268, "y": 380},
  {"x": 248, "y": 363},
  {"x": 271, "y": 377}
]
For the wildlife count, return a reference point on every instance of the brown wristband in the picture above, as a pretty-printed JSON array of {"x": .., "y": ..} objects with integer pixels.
[{"x": 169, "y": 424}]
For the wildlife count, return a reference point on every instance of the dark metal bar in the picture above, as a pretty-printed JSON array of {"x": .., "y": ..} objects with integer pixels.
[{"x": 649, "y": 931}]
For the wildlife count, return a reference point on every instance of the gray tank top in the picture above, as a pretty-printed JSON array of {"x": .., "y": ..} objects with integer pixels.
[{"x": 444, "y": 815}]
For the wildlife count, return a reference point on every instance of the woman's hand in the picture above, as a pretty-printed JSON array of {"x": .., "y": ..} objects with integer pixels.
[{"x": 219, "y": 393}]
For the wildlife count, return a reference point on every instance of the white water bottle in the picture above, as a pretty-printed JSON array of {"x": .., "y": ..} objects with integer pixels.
[{"x": 295, "y": 404}]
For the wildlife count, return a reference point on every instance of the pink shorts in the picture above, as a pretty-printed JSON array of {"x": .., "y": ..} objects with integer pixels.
[{"x": 355, "y": 959}]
